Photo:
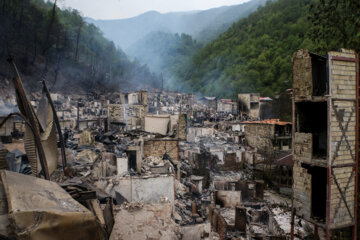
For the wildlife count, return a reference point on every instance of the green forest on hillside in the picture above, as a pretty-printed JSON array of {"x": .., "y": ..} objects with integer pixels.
[
  {"x": 59, "y": 44},
  {"x": 254, "y": 54}
]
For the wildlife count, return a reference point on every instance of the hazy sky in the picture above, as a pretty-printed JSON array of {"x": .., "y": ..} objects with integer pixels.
[{"x": 114, "y": 9}]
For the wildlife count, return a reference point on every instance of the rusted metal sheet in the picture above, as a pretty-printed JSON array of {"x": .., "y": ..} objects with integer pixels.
[
  {"x": 47, "y": 137},
  {"x": 40, "y": 209}
]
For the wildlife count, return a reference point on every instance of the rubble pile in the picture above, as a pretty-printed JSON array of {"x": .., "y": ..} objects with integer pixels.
[{"x": 162, "y": 165}]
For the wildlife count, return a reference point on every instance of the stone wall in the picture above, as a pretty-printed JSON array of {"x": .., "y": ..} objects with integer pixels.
[
  {"x": 302, "y": 75},
  {"x": 303, "y": 147},
  {"x": 132, "y": 115},
  {"x": 182, "y": 126},
  {"x": 158, "y": 147},
  {"x": 259, "y": 136},
  {"x": 302, "y": 190},
  {"x": 138, "y": 222}
]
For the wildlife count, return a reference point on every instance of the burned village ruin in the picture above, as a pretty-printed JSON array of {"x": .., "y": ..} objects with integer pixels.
[{"x": 155, "y": 164}]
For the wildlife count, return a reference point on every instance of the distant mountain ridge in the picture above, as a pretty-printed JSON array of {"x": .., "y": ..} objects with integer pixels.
[{"x": 202, "y": 25}]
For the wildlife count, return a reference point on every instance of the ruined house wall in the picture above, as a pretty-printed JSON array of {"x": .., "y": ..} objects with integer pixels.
[
  {"x": 245, "y": 106},
  {"x": 255, "y": 112},
  {"x": 158, "y": 147},
  {"x": 259, "y": 135},
  {"x": 122, "y": 165},
  {"x": 244, "y": 102},
  {"x": 133, "y": 98},
  {"x": 140, "y": 189},
  {"x": 152, "y": 189},
  {"x": 157, "y": 124},
  {"x": 182, "y": 126},
  {"x": 302, "y": 75},
  {"x": 150, "y": 221},
  {"x": 194, "y": 132},
  {"x": 144, "y": 98},
  {"x": 218, "y": 223},
  {"x": 303, "y": 147},
  {"x": 229, "y": 199},
  {"x": 302, "y": 190},
  {"x": 340, "y": 156},
  {"x": 255, "y": 105},
  {"x": 132, "y": 115},
  {"x": 225, "y": 107},
  {"x": 342, "y": 136},
  {"x": 231, "y": 162}
]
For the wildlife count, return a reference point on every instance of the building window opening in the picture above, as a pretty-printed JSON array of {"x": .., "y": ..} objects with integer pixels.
[
  {"x": 318, "y": 191},
  {"x": 312, "y": 118}
]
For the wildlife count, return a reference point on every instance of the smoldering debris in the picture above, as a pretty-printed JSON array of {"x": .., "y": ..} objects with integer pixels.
[{"x": 166, "y": 165}]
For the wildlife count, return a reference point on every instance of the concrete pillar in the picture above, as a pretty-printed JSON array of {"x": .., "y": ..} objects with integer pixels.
[{"x": 240, "y": 219}]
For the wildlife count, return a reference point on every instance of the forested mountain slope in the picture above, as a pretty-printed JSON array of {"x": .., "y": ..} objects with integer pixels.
[
  {"x": 254, "y": 54},
  {"x": 58, "y": 44}
]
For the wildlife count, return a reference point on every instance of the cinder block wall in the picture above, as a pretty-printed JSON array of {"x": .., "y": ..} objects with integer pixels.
[
  {"x": 302, "y": 190},
  {"x": 341, "y": 104},
  {"x": 303, "y": 147},
  {"x": 342, "y": 136}
]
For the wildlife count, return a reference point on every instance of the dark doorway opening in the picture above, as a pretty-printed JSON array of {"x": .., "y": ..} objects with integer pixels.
[{"x": 132, "y": 160}]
